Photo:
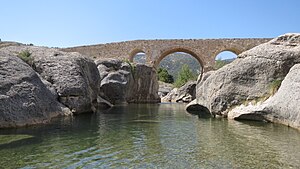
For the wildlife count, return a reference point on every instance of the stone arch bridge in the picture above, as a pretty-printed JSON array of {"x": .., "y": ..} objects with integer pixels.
[{"x": 204, "y": 50}]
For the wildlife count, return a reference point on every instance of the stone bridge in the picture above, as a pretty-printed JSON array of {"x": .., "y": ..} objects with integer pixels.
[{"x": 204, "y": 50}]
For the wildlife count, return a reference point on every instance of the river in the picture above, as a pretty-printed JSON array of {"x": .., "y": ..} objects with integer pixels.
[{"x": 150, "y": 136}]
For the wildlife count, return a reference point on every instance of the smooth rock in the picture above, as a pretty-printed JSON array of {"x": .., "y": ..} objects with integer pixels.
[
  {"x": 250, "y": 75},
  {"x": 282, "y": 108},
  {"x": 117, "y": 81},
  {"x": 145, "y": 88},
  {"x": 186, "y": 93},
  {"x": 74, "y": 76},
  {"x": 24, "y": 98}
]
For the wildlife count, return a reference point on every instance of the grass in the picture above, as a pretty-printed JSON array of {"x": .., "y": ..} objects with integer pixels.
[
  {"x": 274, "y": 86},
  {"x": 26, "y": 57}
]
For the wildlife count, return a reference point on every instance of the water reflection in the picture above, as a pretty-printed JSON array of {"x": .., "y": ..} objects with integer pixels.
[{"x": 152, "y": 136}]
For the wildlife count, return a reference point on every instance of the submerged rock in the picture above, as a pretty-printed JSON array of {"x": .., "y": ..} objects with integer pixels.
[
  {"x": 250, "y": 75},
  {"x": 24, "y": 98}
]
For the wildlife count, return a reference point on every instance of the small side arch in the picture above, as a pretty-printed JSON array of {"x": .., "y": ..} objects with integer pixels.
[
  {"x": 232, "y": 49},
  {"x": 134, "y": 52}
]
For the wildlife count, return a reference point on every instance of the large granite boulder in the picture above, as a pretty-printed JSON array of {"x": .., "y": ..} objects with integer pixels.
[
  {"x": 283, "y": 107},
  {"x": 24, "y": 98},
  {"x": 74, "y": 77},
  {"x": 250, "y": 75},
  {"x": 123, "y": 82},
  {"x": 185, "y": 94},
  {"x": 117, "y": 81},
  {"x": 164, "y": 88},
  {"x": 145, "y": 85}
]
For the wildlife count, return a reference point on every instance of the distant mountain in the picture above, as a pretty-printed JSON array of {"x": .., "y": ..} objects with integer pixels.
[{"x": 174, "y": 62}]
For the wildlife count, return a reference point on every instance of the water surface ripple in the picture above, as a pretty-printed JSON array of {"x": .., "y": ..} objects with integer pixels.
[{"x": 150, "y": 136}]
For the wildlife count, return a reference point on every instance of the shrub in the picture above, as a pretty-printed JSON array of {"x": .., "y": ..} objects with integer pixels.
[
  {"x": 219, "y": 63},
  {"x": 274, "y": 86},
  {"x": 26, "y": 57},
  {"x": 164, "y": 76},
  {"x": 184, "y": 76},
  {"x": 132, "y": 66}
]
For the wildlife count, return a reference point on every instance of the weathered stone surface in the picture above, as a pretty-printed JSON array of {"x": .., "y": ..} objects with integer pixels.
[
  {"x": 74, "y": 77},
  {"x": 24, "y": 99},
  {"x": 186, "y": 93},
  {"x": 194, "y": 108},
  {"x": 171, "y": 96},
  {"x": 120, "y": 85},
  {"x": 283, "y": 107},
  {"x": 204, "y": 50},
  {"x": 164, "y": 88},
  {"x": 145, "y": 85},
  {"x": 249, "y": 76},
  {"x": 116, "y": 80}
]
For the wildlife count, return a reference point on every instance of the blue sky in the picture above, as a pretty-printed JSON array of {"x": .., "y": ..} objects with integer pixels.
[{"x": 63, "y": 23}]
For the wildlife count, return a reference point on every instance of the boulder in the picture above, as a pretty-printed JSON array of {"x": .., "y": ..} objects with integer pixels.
[
  {"x": 24, "y": 98},
  {"x": 145, "y": 85},
  {"x": 171, "y": 96},
  {"x": 123, "y": 82},
  {"x": 250, "y": 75},
  {"x": 194, "y": 108},
  {"x": 116, "y": 80},
  {"x": 186, "y": 93},
  {"x": 164, "y": 88},
  {"x": 74, "y": 77},
  {"x": 282, "y": 108}
]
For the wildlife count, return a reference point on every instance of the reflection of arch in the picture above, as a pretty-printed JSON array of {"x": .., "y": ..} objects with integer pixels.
[
  {"x": 174, "y": 50},
  {"x": 134, "y": 52}
]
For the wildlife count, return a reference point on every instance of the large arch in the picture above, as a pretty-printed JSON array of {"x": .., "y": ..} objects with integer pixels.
[{"x": 178, "y": 49}]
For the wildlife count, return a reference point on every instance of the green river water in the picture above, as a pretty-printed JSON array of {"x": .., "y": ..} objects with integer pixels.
[{"x": 150, "y": 136}]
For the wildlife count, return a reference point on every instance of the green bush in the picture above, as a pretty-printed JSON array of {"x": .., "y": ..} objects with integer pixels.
[
  {"x": 132, "y": 66},
  {"x": 26, "y": 57},
  {"x": 219, "y": 63},
  {"x": 184, "y": 76},
  {"x": 164, "y": 76}
]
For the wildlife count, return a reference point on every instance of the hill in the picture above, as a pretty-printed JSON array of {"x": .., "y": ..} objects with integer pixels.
[{"x": 174, "y": 62}]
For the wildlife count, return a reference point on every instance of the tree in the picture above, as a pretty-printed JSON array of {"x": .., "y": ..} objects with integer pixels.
[
  {"x": 184, "y": 76},
  {"x": 219, "y": 63},
  {"x": 164, "y": 76}
]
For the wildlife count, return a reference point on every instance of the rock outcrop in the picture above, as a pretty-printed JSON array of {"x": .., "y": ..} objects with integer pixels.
[
  {"x": 283, "y": 107},
  {"x": 122, "y": 82},
  {"x": 250, "y": 75},
  {"x": 116, "y": 80},
  {"x": 164, "y": 88},
  {"x": 74, "y": 77},
  {"x": 24, "y": 98},
  {"x": 186, "y": 93},
  {"x": 145, "y": 88}
]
